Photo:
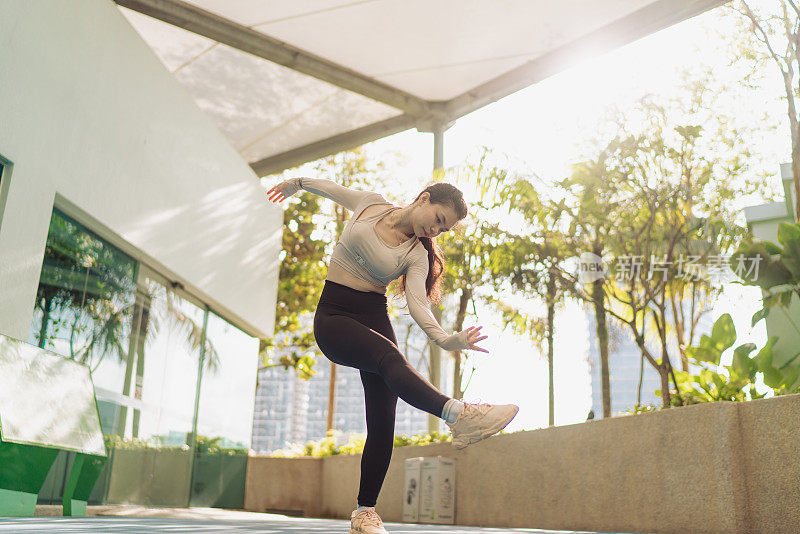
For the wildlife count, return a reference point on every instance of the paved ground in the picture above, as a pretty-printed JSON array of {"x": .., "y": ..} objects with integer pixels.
[{"x": 135, "y": 519}]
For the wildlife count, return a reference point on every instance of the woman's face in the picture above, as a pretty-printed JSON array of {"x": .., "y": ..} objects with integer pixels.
[{"x": 430, "y": 220}]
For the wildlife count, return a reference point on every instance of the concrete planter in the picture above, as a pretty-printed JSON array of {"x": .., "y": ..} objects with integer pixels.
[
  {"x": 713, "y": 468},
  {"x": 289, "y": 486},
  {"x": 149, "y": 477}
]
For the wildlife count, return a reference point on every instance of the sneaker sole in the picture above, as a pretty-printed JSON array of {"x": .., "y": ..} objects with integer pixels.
[{"x": 490, "y": 432}]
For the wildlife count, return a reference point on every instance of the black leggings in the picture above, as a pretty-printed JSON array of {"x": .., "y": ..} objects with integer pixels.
[{"x": 352, "y": 328}]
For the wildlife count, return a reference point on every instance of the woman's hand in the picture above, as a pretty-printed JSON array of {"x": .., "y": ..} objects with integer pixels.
[
  {"x": 472, "y": 338},
  {"x": 283, "y": 190},
  {"x": 464, "y": 340}
]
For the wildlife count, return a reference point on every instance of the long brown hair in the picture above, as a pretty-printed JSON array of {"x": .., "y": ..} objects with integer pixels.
[{"x": 444, "y": 194}]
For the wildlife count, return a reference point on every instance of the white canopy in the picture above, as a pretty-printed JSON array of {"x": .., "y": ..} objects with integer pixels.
[{"x": 291, "y": 81}]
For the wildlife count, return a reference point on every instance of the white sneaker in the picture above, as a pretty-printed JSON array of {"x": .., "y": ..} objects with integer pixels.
[
  {"x": 479, "y": 421},
  {"x": 366, "y": 521}
]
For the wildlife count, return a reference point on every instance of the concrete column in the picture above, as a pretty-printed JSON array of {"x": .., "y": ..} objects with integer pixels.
[{"x": 438, "y": 147}]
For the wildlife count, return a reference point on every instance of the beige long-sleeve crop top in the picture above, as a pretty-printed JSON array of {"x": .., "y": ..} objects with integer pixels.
[{"x": 362, "y": 252}]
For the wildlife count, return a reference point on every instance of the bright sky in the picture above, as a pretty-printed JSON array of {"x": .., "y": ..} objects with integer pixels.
[{"x": 541, "y": 129}]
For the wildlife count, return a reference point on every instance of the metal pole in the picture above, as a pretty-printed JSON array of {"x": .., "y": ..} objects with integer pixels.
[{"x": 435, "y": 352}]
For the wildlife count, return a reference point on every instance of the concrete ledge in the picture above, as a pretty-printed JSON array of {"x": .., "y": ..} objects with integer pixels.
[
  {"x": 770, "y": 455},
  {"x": 721, "y": 467}
]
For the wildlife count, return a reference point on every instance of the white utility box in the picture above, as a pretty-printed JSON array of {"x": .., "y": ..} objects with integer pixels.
[
  {"x": 411, "y": 490},
  {"x": 437, "y": 492}
]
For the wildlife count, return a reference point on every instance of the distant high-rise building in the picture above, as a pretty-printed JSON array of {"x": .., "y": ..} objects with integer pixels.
[{"x": 292, "y": 410}]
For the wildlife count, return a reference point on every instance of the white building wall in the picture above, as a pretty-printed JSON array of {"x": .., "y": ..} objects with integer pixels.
[{"x": 95, "y": 125}]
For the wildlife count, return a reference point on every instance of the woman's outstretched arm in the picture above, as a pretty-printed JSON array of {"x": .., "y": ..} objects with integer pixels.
[
  {"x": 349, "y": 198},
  {"x": 416, "y": 297}
]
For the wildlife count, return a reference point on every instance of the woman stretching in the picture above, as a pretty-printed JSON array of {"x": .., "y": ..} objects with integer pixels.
[{"x": 380, "y": 243}]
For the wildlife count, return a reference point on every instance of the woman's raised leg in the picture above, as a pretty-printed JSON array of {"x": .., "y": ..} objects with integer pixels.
[{"x": 346, "y": 341}]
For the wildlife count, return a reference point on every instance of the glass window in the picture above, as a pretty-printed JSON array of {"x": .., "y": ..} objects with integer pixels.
[
  {"x": 140, "y": 340},
  {"x": 228, "y": 385},
  {"x": 167, "y": 355},
  {"x": 84, "y": 305},
  {"x": 144, "y": 343}
]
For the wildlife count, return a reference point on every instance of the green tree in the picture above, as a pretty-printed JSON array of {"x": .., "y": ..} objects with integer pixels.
[
  {"x": 299, "y": 276},
  {"x": 466, "y": 250},
  {"x": 770, "y": 34},
  {"x": 508, "y": 244},
  {"x": 595, "y": 201},
  {"x": 539, "y": 273},
  {"x": 666, "y": 187},
  {"x": 484, "y": 256}
]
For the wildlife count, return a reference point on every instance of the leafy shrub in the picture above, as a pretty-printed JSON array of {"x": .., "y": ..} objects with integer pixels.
[
  {"x": 355, "y": 445},
  {"x": 737, "y": 382},
  {"x": 641, "y": 408},
  {"x": 205, "y": 445}
]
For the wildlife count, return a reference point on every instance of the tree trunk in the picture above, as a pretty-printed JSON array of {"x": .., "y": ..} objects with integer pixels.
[
  {"x": 663, "y": 372},
  {"x": 551, "y": 298},
  {"x": 466, "y": 294},
  {"x": 435, "y": 352},
  {"x": 340, "y": 214},
  {"x": 663, "y": 366},
  {"x": 457, "y": 393},
  {"x": 641, "y": 376},
  {"x": 661, "y": 322},
  {"x": 331, "y": 397},
  {"x": 598, "y": 299},
  {"x": 680, "y": 334}
]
